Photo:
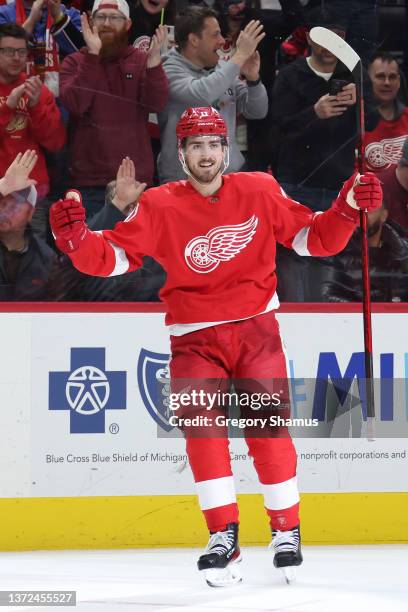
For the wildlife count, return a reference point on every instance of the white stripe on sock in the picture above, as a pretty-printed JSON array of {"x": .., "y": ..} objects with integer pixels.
[
  {"x": 281, "y": 495},
  {"x": 216, "y": 492}
]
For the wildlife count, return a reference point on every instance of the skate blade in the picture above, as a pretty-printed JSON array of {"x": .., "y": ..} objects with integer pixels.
[
  {"x": 289, "y": 574},
  {"x": 224, "y": 577}
]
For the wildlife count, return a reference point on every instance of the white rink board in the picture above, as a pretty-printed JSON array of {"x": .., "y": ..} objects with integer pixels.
[{"x": 40, "y": 457}]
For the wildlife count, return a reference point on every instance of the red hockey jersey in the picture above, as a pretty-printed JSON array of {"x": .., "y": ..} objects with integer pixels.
[
  {"x": 383, "y": 146},
  {"x": 218, "y": 251}
]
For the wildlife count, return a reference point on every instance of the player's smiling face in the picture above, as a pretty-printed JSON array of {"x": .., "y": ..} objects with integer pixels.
[{"x": 204, "y": 157}]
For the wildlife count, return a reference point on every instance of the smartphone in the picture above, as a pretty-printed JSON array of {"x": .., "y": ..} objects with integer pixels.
[
  {"x": 170, "y": 35},
  {"x": 169, "y": 42},
  {"x": 336, "y": 85}
]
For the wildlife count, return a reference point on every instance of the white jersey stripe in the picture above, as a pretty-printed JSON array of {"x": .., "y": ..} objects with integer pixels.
[
  {"x": 299, "y": 243},
  {"x": 216, "y": 492},
  {"x": 122, "y": 262},
  {"x": 281, "y": 495}
]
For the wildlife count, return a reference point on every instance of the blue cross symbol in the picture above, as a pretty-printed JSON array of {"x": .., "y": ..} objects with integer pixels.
[{"x": 87, "y": 390}]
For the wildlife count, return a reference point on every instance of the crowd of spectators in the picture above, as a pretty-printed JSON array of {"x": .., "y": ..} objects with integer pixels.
[{"x": 95, "y": 86}]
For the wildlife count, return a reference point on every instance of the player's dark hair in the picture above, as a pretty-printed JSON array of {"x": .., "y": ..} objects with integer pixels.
[
  {"x": 13, "y": 30},
  {"x": 191, "y": 21}
]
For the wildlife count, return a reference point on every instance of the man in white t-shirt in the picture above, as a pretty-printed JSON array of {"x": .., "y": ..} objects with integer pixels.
[
  {"x": 317, "y": 138},
  {"x": 317, "y": 129}
]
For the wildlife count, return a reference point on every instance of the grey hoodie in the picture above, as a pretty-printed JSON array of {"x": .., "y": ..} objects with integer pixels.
[{"x": 193, "y": 86}]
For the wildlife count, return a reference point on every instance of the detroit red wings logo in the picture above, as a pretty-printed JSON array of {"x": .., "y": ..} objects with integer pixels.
[
  {"x": 205, "y": 253},
  {"x": 142, "y": 43},
  {"x": 382, "y": 154}
]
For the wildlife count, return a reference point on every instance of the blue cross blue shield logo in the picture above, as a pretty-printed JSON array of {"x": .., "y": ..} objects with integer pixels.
[
  {"x": 87, "y": 390},
  {"x": 153, "y": 377}
]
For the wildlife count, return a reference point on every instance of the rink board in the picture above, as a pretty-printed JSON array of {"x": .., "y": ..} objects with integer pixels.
[{"x": 113, "y": 480}]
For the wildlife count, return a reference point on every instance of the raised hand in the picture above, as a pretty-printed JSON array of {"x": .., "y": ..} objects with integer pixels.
[
  {"x": 248, "y": 41},
  {"x": 91, "y": 36},
  {"x": 128, "y": 189},
  {"x": 15, "y": 96},
  {"x": 367, "y": 192},
  {"x": 67, "y": 220},
  {"x": 33, "y": 88},
  {"x": 361, "y": 191},
  {"x": 17, "y": 174},
  {"x": 159, "y": 40},
  {"x": 36, "y": 10},
  {"x": 35, "y": 15},
  {"x": 54, "y": 6},
  {"x": 250, "y": 70}
]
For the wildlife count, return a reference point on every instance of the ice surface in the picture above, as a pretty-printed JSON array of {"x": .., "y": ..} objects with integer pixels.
[{"x": 331, "y": 579}]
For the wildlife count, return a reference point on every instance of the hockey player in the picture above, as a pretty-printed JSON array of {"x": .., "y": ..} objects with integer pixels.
[{"x": 216, "y": 238}]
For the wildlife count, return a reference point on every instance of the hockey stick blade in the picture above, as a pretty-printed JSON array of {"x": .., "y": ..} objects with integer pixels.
[{"x": 336, "y": 45}]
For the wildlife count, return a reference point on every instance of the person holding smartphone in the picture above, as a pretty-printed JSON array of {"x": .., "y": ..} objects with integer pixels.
[
  {"x": 313, "y": 110},
  {"x": 313, "y": 104}
]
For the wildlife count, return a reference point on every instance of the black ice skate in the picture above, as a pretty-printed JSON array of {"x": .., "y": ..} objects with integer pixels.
[
  {"x": 288, "y": 554},
  {"x": 219, "y": 561}
]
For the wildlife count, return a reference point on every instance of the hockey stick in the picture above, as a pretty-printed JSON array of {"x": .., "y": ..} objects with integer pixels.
[{"x": 342, "y": 50}]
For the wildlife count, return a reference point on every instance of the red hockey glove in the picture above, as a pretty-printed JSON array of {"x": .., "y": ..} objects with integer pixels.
[
  {"x": 67, "y": 220},
  {"x": 360, "y": 191}
]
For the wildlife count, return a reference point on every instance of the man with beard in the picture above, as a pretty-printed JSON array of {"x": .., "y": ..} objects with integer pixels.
[
  {"x": 216, "y": 238},
  {"x": 109, "y": 89}
]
